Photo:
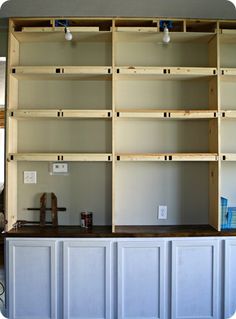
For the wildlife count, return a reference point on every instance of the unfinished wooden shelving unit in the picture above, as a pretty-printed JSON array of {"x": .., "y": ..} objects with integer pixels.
[{"x": 141, "y": 123}]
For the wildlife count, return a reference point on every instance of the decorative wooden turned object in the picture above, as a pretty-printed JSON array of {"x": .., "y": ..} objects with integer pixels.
[{"x": 43, "y": 209}]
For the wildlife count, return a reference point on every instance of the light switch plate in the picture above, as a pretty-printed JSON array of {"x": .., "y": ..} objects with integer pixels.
[{"x": 30, "y": 177}]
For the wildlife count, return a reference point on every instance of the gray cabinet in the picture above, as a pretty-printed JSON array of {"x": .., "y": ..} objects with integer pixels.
[
  {"x": 230, "y": 278},
  {"x": 86, "y": 279},
  {"x": 121, "y": 278},
  {"x": 194, "y": 279},
  {"x": 141, "y": 279},
  {"x": 32, "y": 279}
]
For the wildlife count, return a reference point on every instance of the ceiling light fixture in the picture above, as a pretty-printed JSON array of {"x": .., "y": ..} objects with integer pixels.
[
  {"x": 65, "y": 24},
  {"x": 68, "y": 34},
  {"x": 166, "y": 35},
  {"x": 165, "y": 26}
]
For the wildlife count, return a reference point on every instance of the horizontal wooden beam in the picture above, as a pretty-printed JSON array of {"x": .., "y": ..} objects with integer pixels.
[
  {"x": 59, "y": 113},
  {"x": 168, "y": 157},
  {"x": 228, "y": 114},
  {"x": 168, "y": 73},
  {"x": 89, "y": 157},
  {"x": 228, "y": 157},
  {"x": 168, "y": 113}
]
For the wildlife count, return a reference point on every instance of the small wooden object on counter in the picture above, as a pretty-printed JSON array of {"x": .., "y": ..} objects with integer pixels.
[{"x": 43, "y": 208}]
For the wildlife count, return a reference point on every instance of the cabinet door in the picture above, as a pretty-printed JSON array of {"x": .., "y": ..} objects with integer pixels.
[
  {"x": 230, "y": 278},
  {"x": 194, "y": 279},
  {"x": 31, "y": 279},
  {"x": 87, "y": 271},
  {"x": 141, "y": 277}
]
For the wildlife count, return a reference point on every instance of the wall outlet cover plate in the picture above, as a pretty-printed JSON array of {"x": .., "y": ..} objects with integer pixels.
[{"x": 30, "y": 177}]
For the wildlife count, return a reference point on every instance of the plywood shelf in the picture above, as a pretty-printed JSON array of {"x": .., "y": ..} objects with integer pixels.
[
  {"x": 168, "y": 157},
  {"x": 225, "y": 72},
  {"x": 85, "y": 157},
  {"x": 228, "y": 157},
  {"x": 168, "y": 114},
  {"x": 166, "y": 72},
  {"x": 231, "y": 114},
  {"x": 62, "y": 72},
  {"x": 59, "y": 113}
]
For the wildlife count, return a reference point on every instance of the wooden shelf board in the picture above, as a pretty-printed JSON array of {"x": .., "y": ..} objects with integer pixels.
[
  {"x": 30, "y": 114},
  {"x": 140, "y": 157},
  {"x": 228, "y": 157},
  {"x": 228, "y": 74},
  {"x": 86, "y": 71},
  {"x": 168, "y": 157},
  {"x": 165, "y": 70},
  {"x": 163, "y": 73},
  {"x": 61, "y": 70},
  {"x": 182, "y": 114},
  {"x": 86, "y": 157},
  {"x": 228, "y": 114},
  {"x": 87, "y": 113},
  {"x": 166, "y": 113},
  {"x": 135, "y": 113},
  {"x": 194, "y": 157},
  {"x": 59, "y": 113}
]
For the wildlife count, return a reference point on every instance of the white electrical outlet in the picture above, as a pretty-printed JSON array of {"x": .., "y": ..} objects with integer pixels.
[
  {"x": 30, "y": 177},
  {"x": 162, "y": 212}
]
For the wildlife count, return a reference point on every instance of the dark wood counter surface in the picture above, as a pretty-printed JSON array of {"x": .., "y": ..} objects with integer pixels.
[{"x": 121, "y": 231}]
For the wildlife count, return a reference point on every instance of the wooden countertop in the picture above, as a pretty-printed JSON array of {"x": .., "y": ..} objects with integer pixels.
[{"x": 121, "y": 231}]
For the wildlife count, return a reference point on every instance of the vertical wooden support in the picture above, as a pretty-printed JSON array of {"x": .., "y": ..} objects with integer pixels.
[
  {"x": 214, "y": 136},
  {"x": 214, "y": 211},
  {"x": 113, "y": 125},
  {"x": 11, "y": 136},
  {"x": 219, "y": 126}
]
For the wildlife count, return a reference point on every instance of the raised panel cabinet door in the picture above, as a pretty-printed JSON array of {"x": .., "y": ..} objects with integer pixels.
[
  {"x": 31, "y": 279},
  {"x": 194, "y": 279},
  {"x": 141, "y": 277},
  {"x": 230, "y": 278},
  {"x": 87, "y": 272}
]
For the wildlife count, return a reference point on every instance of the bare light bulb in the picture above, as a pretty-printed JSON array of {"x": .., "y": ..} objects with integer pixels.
[
  {"x": 68, "y": 35},
  {"x": 166, "y": 36}
]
